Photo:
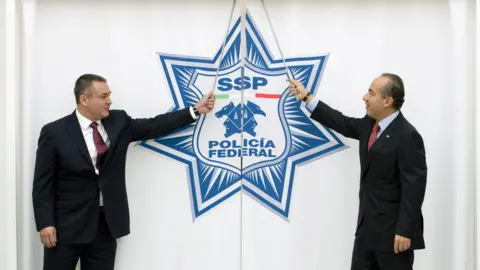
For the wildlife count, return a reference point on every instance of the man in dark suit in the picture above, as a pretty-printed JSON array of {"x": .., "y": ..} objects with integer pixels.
[
  {"x": 79, "y": 194},
  {"x": 393, "y": 174}
]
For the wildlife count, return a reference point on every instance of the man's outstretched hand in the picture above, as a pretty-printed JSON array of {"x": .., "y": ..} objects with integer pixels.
[
  {"x": 206, "y": 104},
  {"x": 297, "y": 89}
]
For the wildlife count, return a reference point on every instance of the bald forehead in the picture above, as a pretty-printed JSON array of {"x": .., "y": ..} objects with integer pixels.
[{"x": 379, "y": 83}]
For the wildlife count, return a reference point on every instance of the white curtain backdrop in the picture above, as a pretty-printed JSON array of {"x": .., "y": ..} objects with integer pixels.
[
  {"x": 431, "y": 44},
  {"x": 9, "y": 130}
]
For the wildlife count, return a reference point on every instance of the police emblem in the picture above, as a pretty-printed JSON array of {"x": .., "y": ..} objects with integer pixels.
[
  {"x": 239, "y": 120},
  {"x": 257, "y": 134}
]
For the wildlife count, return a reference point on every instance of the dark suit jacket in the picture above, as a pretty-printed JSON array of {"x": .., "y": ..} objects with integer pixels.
[
  {"x": 65, "y": 185},
  {"x": 392, "y": 179}
]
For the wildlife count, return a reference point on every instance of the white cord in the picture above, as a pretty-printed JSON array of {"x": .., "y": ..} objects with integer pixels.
[
  {"x": 243, "y": 55},
  {"x": 223, "y": 46},
  {"x": 276, "y": 40}
]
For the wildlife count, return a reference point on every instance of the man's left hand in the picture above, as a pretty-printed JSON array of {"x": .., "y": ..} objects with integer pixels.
[
  {"x": 206, "y": 104},
  {"x": 401, "y": 244}
]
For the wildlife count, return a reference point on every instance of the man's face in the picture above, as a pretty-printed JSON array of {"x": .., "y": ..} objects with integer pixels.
[
  {"x": 98, "y": 101},
  {"x": 375, "y": 104}
]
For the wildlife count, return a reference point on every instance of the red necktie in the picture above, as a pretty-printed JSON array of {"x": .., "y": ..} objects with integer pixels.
[
  {"x": 373, "y": 135},
  {"x": 99, "y": 143}
]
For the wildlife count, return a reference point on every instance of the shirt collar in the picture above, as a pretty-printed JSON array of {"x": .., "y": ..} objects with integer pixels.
[
  {"x": 84, "y": 122},
  {"x": 387, "y": 120}
]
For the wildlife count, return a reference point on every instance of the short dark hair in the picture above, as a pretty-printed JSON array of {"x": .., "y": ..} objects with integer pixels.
[
  {"x": 84, "y": 84},
  {"x": 394, "y": 89}
]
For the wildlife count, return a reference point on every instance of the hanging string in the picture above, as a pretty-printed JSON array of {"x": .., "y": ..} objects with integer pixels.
[
  {"x": 223, "y": 45},
  {"x": 243, "y": 55},
  {"x": 276, "y": 40}
]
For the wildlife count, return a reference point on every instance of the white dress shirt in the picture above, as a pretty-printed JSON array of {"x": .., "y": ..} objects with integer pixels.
[
  {"x": 192, "y": 113},
  {"x": 88, "y": 136}
]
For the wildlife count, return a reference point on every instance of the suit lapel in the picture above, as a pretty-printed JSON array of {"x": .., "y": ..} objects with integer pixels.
[
  {"x": 379, "y": 142},
  {"x": 75, "y": 132},
  {"x": 112, "y": 136}
]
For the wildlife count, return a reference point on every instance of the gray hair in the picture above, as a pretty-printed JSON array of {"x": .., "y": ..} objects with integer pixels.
[{"x": 394, "y": 89}]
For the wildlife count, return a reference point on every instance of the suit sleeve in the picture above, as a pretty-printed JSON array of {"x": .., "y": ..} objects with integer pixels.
[
  {"x": 43, "y": 192},
  {"x": 151, "y": 128},
  {"x": 413, "y": 180},
  {"x": 347, "y": 126}
]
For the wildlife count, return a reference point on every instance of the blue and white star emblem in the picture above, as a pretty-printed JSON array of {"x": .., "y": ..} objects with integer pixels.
[{"x": 257, "y": 134}]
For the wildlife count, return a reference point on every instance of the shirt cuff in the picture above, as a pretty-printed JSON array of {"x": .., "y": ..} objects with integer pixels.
[
  {"x": 312, "y": 104},
  {"x": 192, "y": 113}
]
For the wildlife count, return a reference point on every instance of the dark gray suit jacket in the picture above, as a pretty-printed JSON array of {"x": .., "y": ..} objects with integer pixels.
[{"x": 393, "y": 178}]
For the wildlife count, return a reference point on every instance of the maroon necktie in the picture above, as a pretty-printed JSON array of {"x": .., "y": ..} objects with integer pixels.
[
  {"x": 99, "y": 143},
  {"x": 373, "y": 135}
]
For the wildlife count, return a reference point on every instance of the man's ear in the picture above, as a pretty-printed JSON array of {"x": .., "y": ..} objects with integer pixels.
[
  {"x": 388, "y": 102},
  {"x": 83, "y": 100}
]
